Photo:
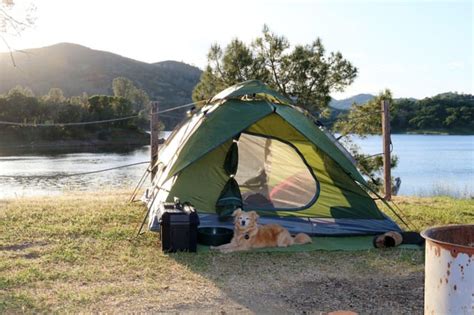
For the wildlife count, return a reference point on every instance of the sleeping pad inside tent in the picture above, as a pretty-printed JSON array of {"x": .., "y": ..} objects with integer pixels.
[{"x": 250, "y": 147}]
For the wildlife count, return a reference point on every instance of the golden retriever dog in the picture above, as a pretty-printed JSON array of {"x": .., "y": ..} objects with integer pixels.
[{"x": 248, "y": 235}]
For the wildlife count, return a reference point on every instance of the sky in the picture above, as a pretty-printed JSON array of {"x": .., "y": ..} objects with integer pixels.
[{"x": 415, "y": 48}]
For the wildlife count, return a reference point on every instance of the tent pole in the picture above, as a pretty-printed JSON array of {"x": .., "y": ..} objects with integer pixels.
[
  {"x": 154, "y": 138},
  {"x": 386, "y": 150}
]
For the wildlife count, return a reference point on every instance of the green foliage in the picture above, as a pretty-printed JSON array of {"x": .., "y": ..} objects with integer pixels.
[
  {"x": 448, "y": 111},
  {"x": 55, "y": 95},
  {"x": 102, "y": 107},
  {"x": 125, "y": 88},
  {"x": 305, "y": 72},
  {"x": 363, "y": 120},
  {"x": 372, "y": 166},
  {"x": 21, "y": 90},
  {"x": 19, "y": 105},
  {"x": 169, "y": 82},
  {"x": 444, "y": 112}
]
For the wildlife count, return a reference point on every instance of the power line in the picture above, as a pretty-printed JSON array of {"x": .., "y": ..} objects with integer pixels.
[{"x": 73, "y": 174}]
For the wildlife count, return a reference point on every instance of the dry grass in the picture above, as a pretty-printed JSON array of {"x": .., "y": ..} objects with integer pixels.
[{"x": 77, "y": 253}]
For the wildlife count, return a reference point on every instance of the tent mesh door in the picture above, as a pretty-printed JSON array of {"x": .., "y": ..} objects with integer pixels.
[{"x": 272, "y": 175}]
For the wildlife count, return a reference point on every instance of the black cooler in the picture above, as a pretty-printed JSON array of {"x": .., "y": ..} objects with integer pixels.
[{"x": 179, "y": 228}]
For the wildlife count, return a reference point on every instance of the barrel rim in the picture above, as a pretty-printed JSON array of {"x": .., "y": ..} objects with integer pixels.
[{"x": 447, "y": 227}]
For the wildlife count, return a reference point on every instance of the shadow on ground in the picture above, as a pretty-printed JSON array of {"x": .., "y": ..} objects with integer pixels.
[{"x": 310, "y": 283}]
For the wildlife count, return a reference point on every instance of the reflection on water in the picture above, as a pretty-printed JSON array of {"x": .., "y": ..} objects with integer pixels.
[
  {"x": 53, "y": 150},
  {"x": 428, "y": 165},
  {"x": 57, "y": 162}
]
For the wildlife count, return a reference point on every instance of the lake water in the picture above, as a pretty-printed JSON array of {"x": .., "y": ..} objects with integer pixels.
[{"x": 428, "y": 165}]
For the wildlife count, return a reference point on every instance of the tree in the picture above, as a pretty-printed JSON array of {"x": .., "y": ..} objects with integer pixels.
[
  {"x": 21, "y": 106},
  {"x": 55, "y": 95},
  {"x": 305, "y": 73},
  {"x": 82, "y": 101},
  {"x": 366, "y": 119},
  {"x": 125, "y": 88},
  {"x": 13, "y": 21},
  {"x": 100, "y": 107},
  {"x": 363, "y": 120},
  {"x": 103, "y": 107},
  {"x": 402, "y": 111},
  {"x": 26, "y": 91}
]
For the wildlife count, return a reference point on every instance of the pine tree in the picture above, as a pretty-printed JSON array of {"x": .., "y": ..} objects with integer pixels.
[{"x": 304, "y": 73}]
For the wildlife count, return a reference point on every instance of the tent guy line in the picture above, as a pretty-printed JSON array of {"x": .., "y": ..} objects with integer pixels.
[
  {"x": 11, "y": 123},
  {"x": 74, "y": 174},
  {"x": 66, "y": 124}
]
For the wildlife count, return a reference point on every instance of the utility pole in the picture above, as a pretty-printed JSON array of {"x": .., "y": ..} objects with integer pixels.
[
  {"x": 387, "y": 177},
  {"x": 154, "y": 138}
]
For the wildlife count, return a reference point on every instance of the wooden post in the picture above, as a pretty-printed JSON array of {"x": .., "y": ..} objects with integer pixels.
[
  {"x": 154, "y": 137},
  {"x": 387, "y": 177}
]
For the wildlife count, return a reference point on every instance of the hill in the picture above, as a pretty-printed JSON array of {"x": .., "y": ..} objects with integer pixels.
[
  {"x": 449, "y": 112},
  {"x": 346, "y": 103},
  {"x": 76, "y": 69}
]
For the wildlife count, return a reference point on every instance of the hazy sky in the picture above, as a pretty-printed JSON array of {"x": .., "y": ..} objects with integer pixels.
[{"x": 416, "y": 48}]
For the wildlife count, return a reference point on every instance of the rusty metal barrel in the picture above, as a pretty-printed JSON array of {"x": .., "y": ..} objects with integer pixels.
[{"x": 449, "y": 269}]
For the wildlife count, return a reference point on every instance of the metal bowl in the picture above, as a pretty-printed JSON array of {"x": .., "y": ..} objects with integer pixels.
[{"x": 214, "y": 236}]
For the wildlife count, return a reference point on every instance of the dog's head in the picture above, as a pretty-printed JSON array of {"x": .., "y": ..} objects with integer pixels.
[{"x": 245, "y": 220}]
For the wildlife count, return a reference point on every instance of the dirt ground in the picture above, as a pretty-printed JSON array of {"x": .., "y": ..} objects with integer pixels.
[
  {"x": 308, "y": 283},
  {"x": 77, "y": 254},
  {"x": 367, "y": 282}
]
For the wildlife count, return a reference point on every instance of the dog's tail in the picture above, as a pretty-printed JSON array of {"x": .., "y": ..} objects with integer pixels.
[{"x": 302, "y": 238}]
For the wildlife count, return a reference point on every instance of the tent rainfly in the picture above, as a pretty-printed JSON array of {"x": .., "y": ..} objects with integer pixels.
[{"x": 250, "y": 147}]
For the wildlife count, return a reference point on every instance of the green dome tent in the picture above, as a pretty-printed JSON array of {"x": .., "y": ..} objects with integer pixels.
[{"x": 250, "y": 147}]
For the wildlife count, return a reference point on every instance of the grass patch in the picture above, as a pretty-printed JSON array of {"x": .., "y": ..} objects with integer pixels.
[
  {"x": 77, "y": 253},
  {"x": 427, "y": 212}
]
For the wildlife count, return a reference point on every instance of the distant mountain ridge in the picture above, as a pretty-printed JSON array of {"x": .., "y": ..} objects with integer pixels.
[
  {"x": 345, "y": 104},
  {"x": 77, "y": 69}
]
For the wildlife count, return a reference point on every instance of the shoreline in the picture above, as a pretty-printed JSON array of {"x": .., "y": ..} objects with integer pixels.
[
  {"x": 142, "y": 139},
  {"x": 122, "y": 139},
  {"x": 433, "y": 133},
  {"x": 70, "y": 144}
]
